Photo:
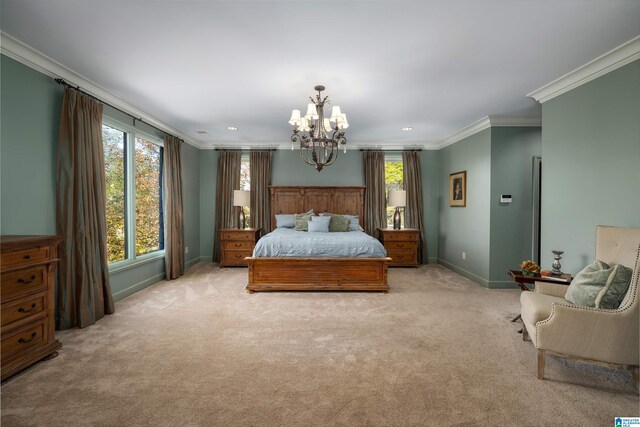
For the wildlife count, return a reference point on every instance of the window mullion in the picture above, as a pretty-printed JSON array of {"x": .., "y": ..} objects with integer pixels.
[{"x": 131, "y": 195}]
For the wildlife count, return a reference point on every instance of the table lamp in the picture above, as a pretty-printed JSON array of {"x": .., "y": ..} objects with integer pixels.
[
  {"x": 241, "y": 199},
  {"x": 397, "y": 198}
]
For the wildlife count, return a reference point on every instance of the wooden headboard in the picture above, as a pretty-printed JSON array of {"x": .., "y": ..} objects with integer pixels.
[{"x": 338, "y": 200}]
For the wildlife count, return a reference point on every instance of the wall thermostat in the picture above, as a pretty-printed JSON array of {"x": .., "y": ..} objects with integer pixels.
[{"x": 505, "y": 198}]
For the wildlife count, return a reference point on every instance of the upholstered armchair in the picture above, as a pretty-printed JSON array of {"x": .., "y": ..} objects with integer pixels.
[{"x": 598, "y": 336}]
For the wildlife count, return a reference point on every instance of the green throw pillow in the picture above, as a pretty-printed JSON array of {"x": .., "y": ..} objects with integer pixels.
[
  {"x": 599, "y": 285},
  {"x": 338, "y": 222},
  {"x": 302, "y": 222}
]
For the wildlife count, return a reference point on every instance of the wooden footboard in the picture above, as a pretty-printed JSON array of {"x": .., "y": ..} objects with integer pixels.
[{"x": 317, "y": 274}]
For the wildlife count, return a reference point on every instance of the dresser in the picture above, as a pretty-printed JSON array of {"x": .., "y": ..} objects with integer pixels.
[
  {"x": 401, "y": 246},
  {"x": 27, "y": 281},
  {"x": 237, "y": 244}
]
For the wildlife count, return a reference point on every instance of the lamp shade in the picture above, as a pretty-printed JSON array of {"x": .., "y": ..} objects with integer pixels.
[
  {"x": 327, "y": 125},
  {"x": 312, "y": 113},
  {"x": 397, "y": 198},
  {"x": 335, "y": 113},
  {"x": 295, "y": 118},
  {"x": 241, "y": 198},
  {"x": 342, "y": 121}
]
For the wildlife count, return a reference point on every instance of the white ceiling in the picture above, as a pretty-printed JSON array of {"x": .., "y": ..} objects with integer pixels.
[{"x": 436, "y": 66}]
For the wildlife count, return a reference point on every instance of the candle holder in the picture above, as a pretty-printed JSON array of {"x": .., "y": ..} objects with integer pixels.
[{"x": 557, "y": 256}]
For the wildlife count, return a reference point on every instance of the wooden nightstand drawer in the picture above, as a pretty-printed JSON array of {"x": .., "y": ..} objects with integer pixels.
[
  {"x": 235, "y": 257},
  {"x": 28, "y": 307},
  {"x": 402, "y": 255},
  {"x": 238, "y": 235},
  {"x": 24, "y": 257},
  {"x": 24, "y": 339},
  {"x": 400, "y": 236},
  {"x": 400, "y": 245},
  {"x": 238, "y": 245},
  {"x": 24, "y": 281}
]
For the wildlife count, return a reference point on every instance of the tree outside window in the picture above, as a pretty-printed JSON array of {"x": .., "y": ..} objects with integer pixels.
[
  {"x": 245, "y": 184},
  {"x": 393, "y": 180}
]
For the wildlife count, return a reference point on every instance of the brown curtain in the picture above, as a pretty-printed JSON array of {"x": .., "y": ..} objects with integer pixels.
[
  {"x": 375, "y": 203},
  {"x": 173, "y": 214},
  {"x": 228, "y": 180},
  {"x": 84, "y": 292},
  {"x": 413, "y": 212},
  {"x": 260, "y": 174}
]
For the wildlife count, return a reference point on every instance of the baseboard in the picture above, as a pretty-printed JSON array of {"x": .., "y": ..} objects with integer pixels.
[
  {"x": 206, "y": 258},
  {"x": 465, "y": 273},
  {"x": 433, "y": 260},
  {"x": 138, "y": 287},
  {"x": 192, "y": 262}
]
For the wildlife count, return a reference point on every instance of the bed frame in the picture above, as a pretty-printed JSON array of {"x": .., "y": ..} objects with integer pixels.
[{"x": 317, "y": 274}]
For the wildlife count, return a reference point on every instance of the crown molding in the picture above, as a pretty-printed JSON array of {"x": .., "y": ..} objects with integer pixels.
[
  {"x": 487, "y": 122},
  {"x": 32, "y": 58},
  {"x": 612, "y": 60},
  {"x": 350, "y": 146}
]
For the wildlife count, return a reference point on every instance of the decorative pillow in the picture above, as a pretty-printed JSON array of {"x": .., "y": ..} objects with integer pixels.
[
  {"x": 316, "y": 226},
  {"x": 302, "y": 222},
  {"x": 285, "y": 221},
  {"x": 322, "y": 219},
  {"x": 599, "y": 285},
  {"x": 354, "y": 222},
  {"x": 337, "y": 223}
]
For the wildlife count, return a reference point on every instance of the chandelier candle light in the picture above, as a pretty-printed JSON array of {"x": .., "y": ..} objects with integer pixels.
[{"x": 317, "y": 147}]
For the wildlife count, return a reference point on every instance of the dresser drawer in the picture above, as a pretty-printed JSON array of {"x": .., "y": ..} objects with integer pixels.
[
  {"x": 24, "y": 281},
  {"x": 24, "y": 257},
  {"x": 400, "y": 255},
  {"x": 235, "y": 258},
  {"x": 24, "y": 339},
  {"x": 238, "y": 245},
  {"x": 406, "y": 237},
  {"x": 238, "y": 235},
  {"x": 401, "y": 245},
  {"x": 23, "y": 309}
]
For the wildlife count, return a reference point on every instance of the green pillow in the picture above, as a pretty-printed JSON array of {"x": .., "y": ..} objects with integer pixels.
[
  {"x": 599, "y": 285},
  {"x": 302, "y": 222},
  {"x": 338, "y": 222}
]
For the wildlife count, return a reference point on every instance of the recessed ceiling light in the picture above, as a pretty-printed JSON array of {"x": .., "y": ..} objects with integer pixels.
[
  {"x": 232, "y": 128},
  {"x": 202, "y": 132},
  {"x": 407, "y": 129}
]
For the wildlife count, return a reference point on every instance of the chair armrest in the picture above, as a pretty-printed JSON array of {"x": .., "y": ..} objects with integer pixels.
[
  {"x": 606, "y": 335},
  {"x": 553, "y": 289}
]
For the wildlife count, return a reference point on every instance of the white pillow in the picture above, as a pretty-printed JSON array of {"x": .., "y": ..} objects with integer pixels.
[
  {"x": 354, "y": 222},
  {"x": 285, "y": 221},
  {"x": 318, "y": 226}
]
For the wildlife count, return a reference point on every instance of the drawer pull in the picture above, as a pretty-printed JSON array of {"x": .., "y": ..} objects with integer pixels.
[
  {"x": 401, "y": 245},
  {"x": 26, "y": 282},
  {"x": 22, "y": 310},
  {"x": 27, "y": 257},
  {"x": 24, "y": 341},
  {"x": 237, "y": 245}
]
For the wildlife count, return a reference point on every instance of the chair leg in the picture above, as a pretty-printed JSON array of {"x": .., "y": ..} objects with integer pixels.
[{"x": 541, "y": 355}]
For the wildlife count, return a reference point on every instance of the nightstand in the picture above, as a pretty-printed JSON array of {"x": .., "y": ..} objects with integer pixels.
[
  {"x": 401, "y": 246},
  {"x": 236, "y": 245}
]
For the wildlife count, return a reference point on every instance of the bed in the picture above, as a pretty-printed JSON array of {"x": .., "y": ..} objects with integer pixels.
[{"x": 286, "y": 260}]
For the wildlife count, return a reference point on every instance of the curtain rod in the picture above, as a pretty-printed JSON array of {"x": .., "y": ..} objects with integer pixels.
[
  {"x": 76, "y": 87},
  {"x": 251, "y": 149},
  {"x": 409, "y": 150}
]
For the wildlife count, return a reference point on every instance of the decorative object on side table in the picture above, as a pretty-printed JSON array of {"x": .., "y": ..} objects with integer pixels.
[
  {"x": 397, "y": 198},
  {"x": 241, "y": 198},
  {"x": 458, "y": 189},
  {"x": 557, "y": 256},
  {"x": 529, "y": 268}
]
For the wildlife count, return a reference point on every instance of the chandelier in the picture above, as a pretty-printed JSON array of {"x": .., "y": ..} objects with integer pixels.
[{"x": 317, "y": 147}]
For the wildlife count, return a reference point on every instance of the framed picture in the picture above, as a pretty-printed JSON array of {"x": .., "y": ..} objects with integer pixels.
[{"x": 458, "y": 189}]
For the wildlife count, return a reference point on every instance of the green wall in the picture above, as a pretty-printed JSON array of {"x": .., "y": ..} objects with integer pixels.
[
  {"x": 512, "y": 153},
  {"x": 289, "y": 169},
  {"x": 30, "y": 104},
  {"x": 466, "y": 229},
  {"x": 591, "y": 164}
]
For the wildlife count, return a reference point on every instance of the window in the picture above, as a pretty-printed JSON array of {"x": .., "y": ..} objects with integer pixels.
[
  {"x": 133, "y": 170},
  {"x": 393, "y": 180},
  {"x": 245, "y": 184}
]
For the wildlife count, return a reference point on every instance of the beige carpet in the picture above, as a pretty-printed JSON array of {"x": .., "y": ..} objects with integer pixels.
[{"x": 438, "y": 350}]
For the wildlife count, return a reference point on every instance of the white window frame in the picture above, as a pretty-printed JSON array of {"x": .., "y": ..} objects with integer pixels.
[{"x": 132, "y": 259}]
